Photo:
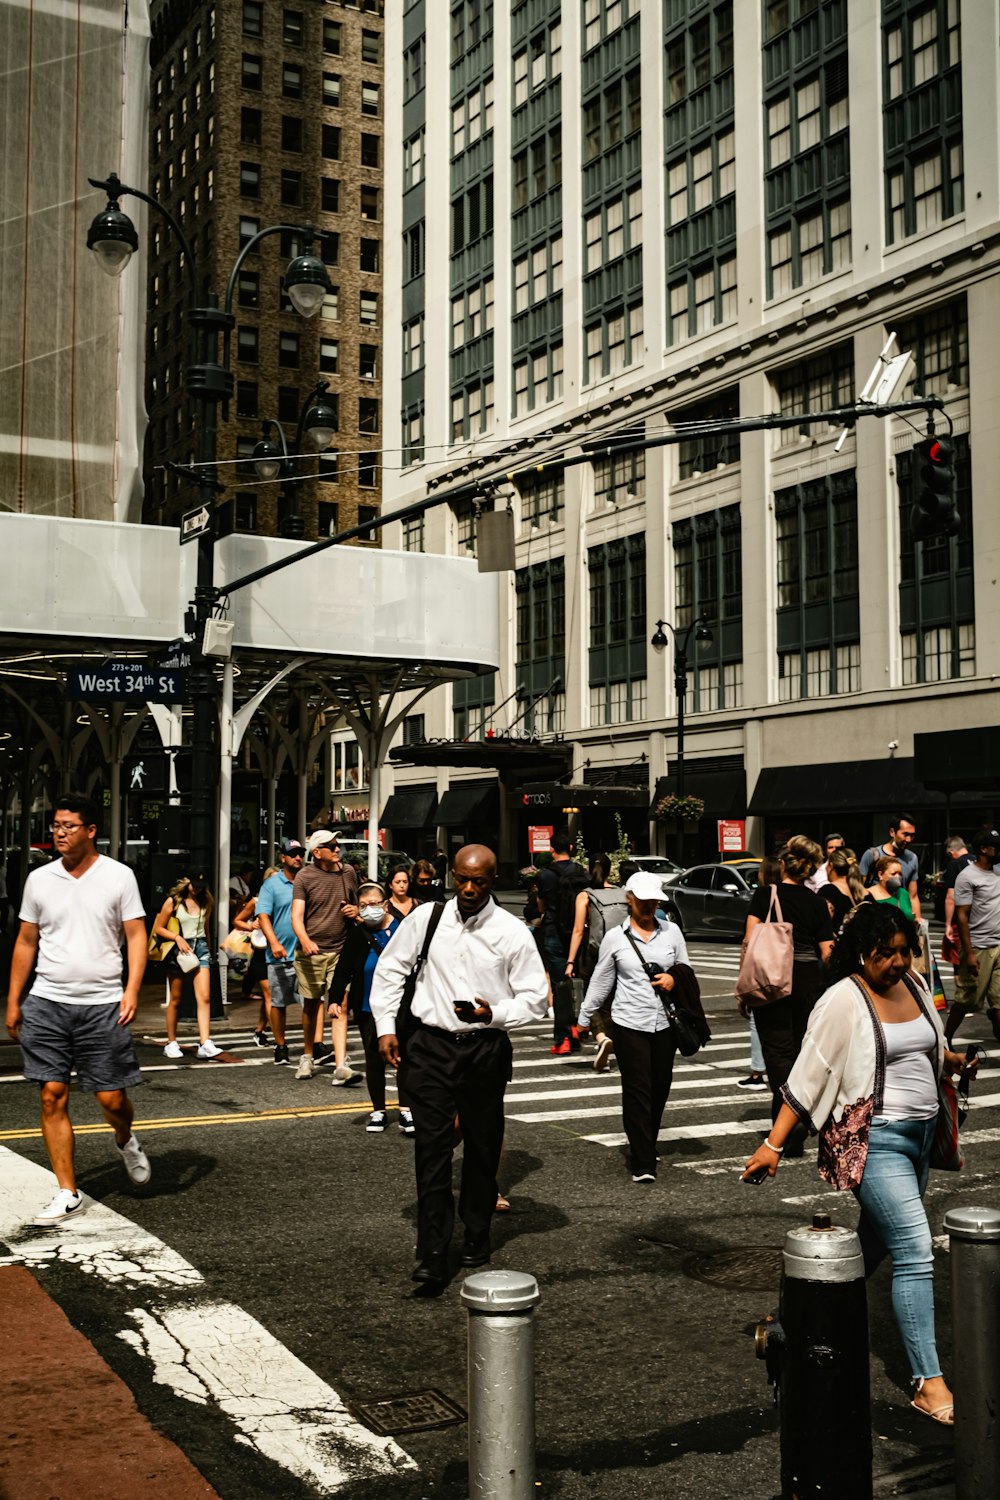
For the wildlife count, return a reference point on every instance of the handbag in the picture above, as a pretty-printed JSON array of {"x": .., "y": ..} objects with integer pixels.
[
  {"x": 238, "y": 944},
  {"x": 159, "y": 949},
  {"x": 567, "y": 997},
  {"x": 953, "y": 1106},
  {"x": 404, "y": 1015},
  {"x": 843, "y": 1145},
  {"x": 766, "y": 966},
  {"x": 680, "y": 1023}
]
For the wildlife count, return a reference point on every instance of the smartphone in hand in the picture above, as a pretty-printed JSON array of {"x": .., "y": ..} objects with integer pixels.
[
  {"x": 465, "y": 1011},
  {"x": 754, "y": 1179}
]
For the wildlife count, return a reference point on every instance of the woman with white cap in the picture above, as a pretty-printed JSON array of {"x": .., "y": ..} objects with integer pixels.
[{"x": 633, "y": 964}]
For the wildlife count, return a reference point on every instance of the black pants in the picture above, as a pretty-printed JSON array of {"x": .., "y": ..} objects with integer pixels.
[
  {"x": 646, "y": 1063},
  {"x": 445, "y": 1075},
  {"x": 375, "y": 1064},
  {"x": 782, "y": 1025}
]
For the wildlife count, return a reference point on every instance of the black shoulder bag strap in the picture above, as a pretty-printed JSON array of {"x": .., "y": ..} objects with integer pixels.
[
  {"x": 404, "y": 1019},
  {"x": 635, "y": 947}
]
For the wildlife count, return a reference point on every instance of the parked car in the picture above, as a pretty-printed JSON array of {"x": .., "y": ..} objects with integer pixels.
[{"x": 711, "y": 900}]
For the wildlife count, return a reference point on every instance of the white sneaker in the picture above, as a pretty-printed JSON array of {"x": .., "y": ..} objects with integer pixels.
[
  {"x": 63, "y": 1206},
  {"x": 173, "y": 1051},
  {"x": 376, "y": 1122},
  {"x": 605, "y": 1047},
  {"x": 209, "y": 1049},
  {"x": 343, "y": 1074},
  {"x": 136, "y": 1161},
  {"x": 306, "y": 1067}
]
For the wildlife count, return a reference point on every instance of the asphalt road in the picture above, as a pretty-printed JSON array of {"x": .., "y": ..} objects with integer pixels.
[{"x": 289, "y": 1237}]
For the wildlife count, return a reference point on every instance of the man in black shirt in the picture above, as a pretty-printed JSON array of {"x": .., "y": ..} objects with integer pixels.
[{"x": 558, "y": 887}]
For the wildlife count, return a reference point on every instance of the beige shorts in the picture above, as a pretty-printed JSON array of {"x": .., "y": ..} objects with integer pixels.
[
  {"x": 314, "y": 973},
  {"x": 980, "y": 991}
]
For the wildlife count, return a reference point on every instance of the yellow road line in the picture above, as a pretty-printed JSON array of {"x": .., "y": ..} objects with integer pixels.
[{"x": 190, "y": 1122}]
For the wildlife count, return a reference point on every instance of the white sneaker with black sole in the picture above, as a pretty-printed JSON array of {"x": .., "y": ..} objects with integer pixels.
[
  {"x": 65, "y": 1205},
  {"x": 406, "y": 1124},
  {"x": 755, "y": 1082},
  {"x": 376, "y": 1122},
  {"x": 136, "y": 1161}
]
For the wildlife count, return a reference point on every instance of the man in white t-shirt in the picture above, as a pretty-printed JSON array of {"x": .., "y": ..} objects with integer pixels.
[{"x": 74, "y": 914}]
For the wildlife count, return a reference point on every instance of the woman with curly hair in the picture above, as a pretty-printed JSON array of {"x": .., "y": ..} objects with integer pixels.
[
  {"x": 867, "y": 1080},
  {"x": 782, "y": 1024}
]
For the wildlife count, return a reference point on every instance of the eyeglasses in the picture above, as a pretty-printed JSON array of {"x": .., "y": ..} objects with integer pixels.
[{"x": 66, "y": 827}]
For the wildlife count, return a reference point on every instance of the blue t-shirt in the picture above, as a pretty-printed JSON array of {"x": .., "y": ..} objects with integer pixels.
[
  {"x": 275, "y": 901},
  {"x": 381, "y": 937}
]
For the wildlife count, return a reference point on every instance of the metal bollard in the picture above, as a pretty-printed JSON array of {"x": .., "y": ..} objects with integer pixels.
[
  {"x": 817, "y": 1360},
  {"x": 975, "y": 1322},
  {"x": 501, "y": 1384}
]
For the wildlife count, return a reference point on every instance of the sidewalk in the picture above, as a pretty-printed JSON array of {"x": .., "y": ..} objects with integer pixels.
[{"x": 70, "y": 1426}]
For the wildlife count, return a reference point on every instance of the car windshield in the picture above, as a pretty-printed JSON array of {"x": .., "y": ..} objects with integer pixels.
[{"x": 657, "y": 866}]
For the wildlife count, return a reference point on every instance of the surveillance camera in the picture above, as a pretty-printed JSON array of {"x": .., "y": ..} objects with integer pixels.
[{"x": 893, "y": 744}]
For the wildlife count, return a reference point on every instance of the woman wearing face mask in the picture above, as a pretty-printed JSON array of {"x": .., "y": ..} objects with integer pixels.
[
  {"x": 888, "y": 885},
  {"x": 190, "y": 902},
  {"x": 355, "y": 971}
]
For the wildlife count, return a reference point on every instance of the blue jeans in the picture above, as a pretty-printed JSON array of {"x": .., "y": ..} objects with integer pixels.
[{"x": 894, "y": 1222}]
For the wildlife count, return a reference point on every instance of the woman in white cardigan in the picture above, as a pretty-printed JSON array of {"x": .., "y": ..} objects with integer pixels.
[{"x": 867, "y": 1080}]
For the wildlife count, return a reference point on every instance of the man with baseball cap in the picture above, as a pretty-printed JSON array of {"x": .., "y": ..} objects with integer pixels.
[
  {"x": 324, "y": 902},
  {"x": 977, "y": 912},
  {"x": 274, "y": 909},
  {"x": 633, "y": 964}
]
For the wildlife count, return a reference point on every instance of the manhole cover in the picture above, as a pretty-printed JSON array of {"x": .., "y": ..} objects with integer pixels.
[
  {"x": 417, "y": 1411},
  {"x": 737, "y": 1270}
]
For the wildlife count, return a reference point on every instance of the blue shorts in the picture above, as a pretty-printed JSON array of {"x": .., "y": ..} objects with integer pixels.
[
  {"x": 56, "y": 1037},
  {"x": 281, "y": 978}
]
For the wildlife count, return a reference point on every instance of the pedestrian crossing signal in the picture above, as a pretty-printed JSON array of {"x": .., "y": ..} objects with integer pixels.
[{"x": 935, "y": 511}]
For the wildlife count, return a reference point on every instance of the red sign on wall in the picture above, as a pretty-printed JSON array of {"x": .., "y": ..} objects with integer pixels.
[
  {"x": 732, "y": 834},
  {"x": 540, "y": 838}
]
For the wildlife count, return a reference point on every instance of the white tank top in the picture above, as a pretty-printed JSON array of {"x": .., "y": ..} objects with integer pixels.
[{"x": 910, "y": 1056}]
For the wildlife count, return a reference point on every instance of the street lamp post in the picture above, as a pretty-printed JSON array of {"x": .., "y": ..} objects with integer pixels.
[
  {"x": 209, "y": 383},
  {"x": 703, "y": 635},
  {"x": 316, "y": 427}
]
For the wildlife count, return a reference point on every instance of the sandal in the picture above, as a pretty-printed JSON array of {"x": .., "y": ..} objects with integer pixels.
[
  {"x": 503, "y": 1205},
  {"x": 945, "y": 1413}
]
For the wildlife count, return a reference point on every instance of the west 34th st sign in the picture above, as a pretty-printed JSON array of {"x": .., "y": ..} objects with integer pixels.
[{"x": 125, "y": 681}]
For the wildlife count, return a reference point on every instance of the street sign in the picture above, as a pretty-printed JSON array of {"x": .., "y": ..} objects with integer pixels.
[
  {"x": 540, "y": 838},
  {"x": 732, "y": 833},
  {"x": 194, "y": 523},
  {"x": 125, "y": 681}
]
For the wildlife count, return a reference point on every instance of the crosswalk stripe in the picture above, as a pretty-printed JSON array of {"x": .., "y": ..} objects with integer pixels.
[{"x": 692, "y": 1132}]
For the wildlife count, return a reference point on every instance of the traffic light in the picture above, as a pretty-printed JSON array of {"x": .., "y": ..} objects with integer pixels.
[{"x": 935, "y": 512}]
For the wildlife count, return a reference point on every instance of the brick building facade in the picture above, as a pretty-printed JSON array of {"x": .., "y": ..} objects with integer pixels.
[{"x": 265, "y": 114}]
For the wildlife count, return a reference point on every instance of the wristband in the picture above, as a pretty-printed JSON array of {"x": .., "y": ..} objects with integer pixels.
[{"x": 778, "y": 1150}]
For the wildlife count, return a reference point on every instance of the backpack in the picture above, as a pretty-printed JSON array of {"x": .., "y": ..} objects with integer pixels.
[
  {"x": 766, "y": 966},
  {"x": 606, "y": 909},
  {"x": 573, "y": 879}
]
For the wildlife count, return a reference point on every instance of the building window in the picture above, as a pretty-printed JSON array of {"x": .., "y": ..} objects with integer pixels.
[
  {"x": 939, "y": 342},
  {"x": 330, "y": 194},
  {"x": 328, "y": 467},
  {"x": 331, "y": 142},
  {"x": 248, "y": 289},
  {"x": 612, "y": 342},
  {"x": 331, "y": 90},
  {"x": 413, "y": 69},
  {"x": 818, "y": 615},
  {"x": 413, "y": 160},
  {"x": 250, "y": 126},
  {"x": 538, "y": 378},
  {"x": 369, "y": 204},
  {"x": 936, "y": 589},
  {"x": 413, "y": 252},
  {"x": 248, "y": 229},
  {"x": 247, "y": 344},
  {"x": 369, "y": 309},
  {"x": 414, "y": 732},
  {"x": 543, "y": 497},
  {"x": 246, "y": 398},
  {"x": 601, "y": 18},
  {"x": 620, "y": 478},
  {"x": 249, "y": 179},
  {"x": 413, "y": 435},
  {"x": 371, "y": 47},
  {"x": 331, "y": 38},
  {"x": 413, "y": 345},
  {"x": 708, "y": 581},
  {"x": 288, "y": 404},
  {"x": 540, "y": 596},
  {"x": 291, "y": 81},
  {"x": 368, "y": 361},
  {"x": 367, "y": 414},
  {"x": 472, "y": 409},
  {"x": 922, "y": 116},
  {"x": 292, "y": 28},
  {"x": 291, "y": 188},
  {"x": 367, "y": 475},
  {"x": 815, "y": 385},
  {"x": 370, "y": 103},
  {"x": 329, "y": 356},
  {"x": 413, "y": 541},
  {"x": 288, "y": 350},
  {"x": 370, "y": 150},
  {"x": 618, "y": 630},
  {"x": 330, "y": 309},
  {"x": 701, "y": 453},
  {"x": 369, "y": 255},
  {"x": 291, "y": 133},
  {"x": 472, "y": 703},
  {"x": 252, "y": 72},
  {"x": 327, "y": 518}
]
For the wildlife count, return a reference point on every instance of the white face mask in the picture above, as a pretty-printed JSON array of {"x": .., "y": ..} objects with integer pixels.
[{"x": 372, "y": 916}]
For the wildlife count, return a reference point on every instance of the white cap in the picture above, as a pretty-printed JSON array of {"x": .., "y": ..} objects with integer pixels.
[
  {"x": 321, "y": 836},
  {"x": 644, "y": 886}
]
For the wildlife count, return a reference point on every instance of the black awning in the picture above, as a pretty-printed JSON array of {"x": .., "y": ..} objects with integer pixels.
[
  {"x": 722, "y": 789},
  {"x": 478, "y": 802},
  {"x": 535, "y": 758},
  {"x": 864, "y": 786},
  {"x": 959, "y": 761},
  {"x": 410, "y": 808}
]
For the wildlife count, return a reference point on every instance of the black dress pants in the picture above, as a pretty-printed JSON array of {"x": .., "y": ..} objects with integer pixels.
[
  {"x": 781, "y": 1027},
  {"x": 444, "y": 1075},
  {"x": 646, "y": 1063}
]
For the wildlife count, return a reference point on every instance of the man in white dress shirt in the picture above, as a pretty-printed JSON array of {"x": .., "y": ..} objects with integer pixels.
[{"x": 482, "y": 978}]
